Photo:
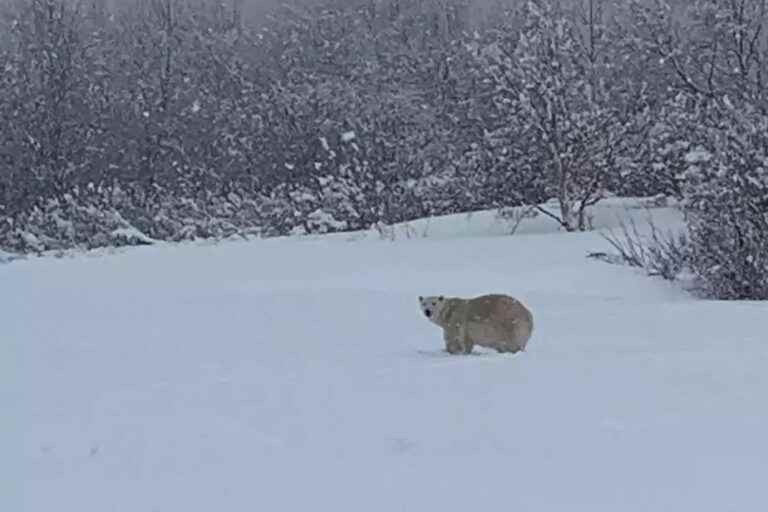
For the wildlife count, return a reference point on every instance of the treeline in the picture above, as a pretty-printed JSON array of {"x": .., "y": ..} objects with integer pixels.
[{"x": 178, "y": 119}]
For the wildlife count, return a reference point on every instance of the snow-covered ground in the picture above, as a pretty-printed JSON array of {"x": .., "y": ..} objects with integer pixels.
[{"x": 298, "y": 374}]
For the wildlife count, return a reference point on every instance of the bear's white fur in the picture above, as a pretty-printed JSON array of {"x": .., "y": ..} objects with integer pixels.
[{"x": 495, "y": 321}]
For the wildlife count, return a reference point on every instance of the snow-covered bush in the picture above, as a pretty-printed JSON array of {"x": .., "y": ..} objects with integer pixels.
[
  {"x": 727, "y": 204},
  {"x": 66, "y": 224},
  {"x": 719, "y": 151},
  {"x": 116, "y": 215}
]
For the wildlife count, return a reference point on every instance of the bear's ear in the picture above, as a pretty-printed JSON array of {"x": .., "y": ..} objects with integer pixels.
[
  {"x": 441, "y": 298},
  {"x": 421, "y": 299}
]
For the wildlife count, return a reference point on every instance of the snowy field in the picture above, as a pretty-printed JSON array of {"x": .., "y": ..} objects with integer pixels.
[{"x": 298, "y": 375}]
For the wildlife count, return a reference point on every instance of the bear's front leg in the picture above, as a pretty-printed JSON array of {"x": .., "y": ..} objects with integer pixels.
[
  {"x": 457, "y": 342},
  {"x": 452, "y": 341}
]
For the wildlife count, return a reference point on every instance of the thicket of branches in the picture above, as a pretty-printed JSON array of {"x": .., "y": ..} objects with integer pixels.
[{"x": 144, "y": 120}]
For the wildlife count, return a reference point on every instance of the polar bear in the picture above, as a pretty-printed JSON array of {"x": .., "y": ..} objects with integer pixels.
[{"x": 494, "y": 321}]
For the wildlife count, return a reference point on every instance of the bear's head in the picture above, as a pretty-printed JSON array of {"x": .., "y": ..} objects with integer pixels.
[{"x": 431, "y": 306}]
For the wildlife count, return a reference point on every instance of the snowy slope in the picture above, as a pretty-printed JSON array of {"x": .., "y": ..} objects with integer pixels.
[
  {"x": 297, "y": 374},
  {"x": 607, "y": 214}
]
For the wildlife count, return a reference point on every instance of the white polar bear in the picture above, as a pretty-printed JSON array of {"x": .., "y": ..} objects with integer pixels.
[{"x": 494, "y": 321}]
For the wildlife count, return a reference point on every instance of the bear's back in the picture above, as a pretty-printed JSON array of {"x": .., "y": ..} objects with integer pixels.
[{"x": 499, "y": 318}]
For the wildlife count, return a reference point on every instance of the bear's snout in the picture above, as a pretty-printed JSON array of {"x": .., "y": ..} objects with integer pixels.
[{"x": 428, "y": 313}]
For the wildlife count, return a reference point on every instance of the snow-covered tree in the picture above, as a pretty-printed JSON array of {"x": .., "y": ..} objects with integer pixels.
[
  {"x": 704, "y": 131},
  {"x": 727, "y": 201},
  {"x": 555, "y": 128},
  {"x": 383, "y": 74},
  {"x": 707, "y": 47},
  {"x": 672, "y": 51}
]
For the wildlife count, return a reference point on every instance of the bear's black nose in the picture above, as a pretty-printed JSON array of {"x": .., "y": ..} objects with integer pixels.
[{"x": 428, "y": 313}]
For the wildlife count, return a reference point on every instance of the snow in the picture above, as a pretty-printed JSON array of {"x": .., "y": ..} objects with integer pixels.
[
  {"x": 297, "y": 374},
  {"x": 606, "y": 215},
  {"x": 698, "y": 155},
  {"x": 131, "y": 234}
]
